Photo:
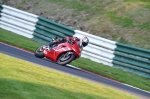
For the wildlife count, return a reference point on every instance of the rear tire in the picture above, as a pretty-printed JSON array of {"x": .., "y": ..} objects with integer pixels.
[
  {"x": 39, "y": 52},
  {"x": 71, "y": 58}
]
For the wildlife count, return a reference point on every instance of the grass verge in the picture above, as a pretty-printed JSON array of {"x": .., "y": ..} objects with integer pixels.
[
  {"x": 116, "y": 74},
  {"x": 23, "y": 80}
]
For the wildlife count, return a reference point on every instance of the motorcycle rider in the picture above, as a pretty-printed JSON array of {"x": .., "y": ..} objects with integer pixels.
[{"x": 83, "y": 41}]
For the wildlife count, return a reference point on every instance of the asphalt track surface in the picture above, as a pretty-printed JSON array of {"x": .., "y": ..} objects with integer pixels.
[{"x": 29, "y": 56}]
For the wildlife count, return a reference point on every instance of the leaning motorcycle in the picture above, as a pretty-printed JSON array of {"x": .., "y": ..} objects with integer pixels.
[{"x": 62, "y": 54}]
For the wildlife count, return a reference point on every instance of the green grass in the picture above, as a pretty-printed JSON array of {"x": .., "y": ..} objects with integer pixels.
[
  {"x": 23, "y": 80},
  {"x": 86, "y": 64},
  {"x": 18, "y": 40}
]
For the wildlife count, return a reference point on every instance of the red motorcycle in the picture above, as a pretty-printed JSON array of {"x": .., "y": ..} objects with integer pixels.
[{"x": 62, "y": 54}]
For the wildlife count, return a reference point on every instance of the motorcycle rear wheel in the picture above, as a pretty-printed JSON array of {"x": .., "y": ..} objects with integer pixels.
[
  {"x": 39, "y": 52},
  {"x": 70, "y": 58}
]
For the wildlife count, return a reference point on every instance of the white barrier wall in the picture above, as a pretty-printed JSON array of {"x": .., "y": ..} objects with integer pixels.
[
  {"x": 20, "y": 14},
  {"x": 95, "y": 40},
  {"x": 18, "y": 21},
  {"x": 16, "y": 30},
  {"x": 100, "y": 50}
]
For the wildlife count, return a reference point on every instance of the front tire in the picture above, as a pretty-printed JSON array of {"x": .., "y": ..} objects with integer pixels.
[
  {"x": 62, "y": 60},
  {"x": 39, "y": 52}
]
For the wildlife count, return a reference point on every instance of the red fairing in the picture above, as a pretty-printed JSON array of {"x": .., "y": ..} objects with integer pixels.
[
  {"x": 62, "y": 51},
  {"x": 74, "y": 48}
]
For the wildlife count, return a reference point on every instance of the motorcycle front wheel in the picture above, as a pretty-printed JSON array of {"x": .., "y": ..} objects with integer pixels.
[
  {"x": 65, "y": 58},
  {"x": 39, "y": 52}
]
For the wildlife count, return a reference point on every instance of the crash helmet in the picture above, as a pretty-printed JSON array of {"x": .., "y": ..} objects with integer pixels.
[{"x": 84, "y": 41}]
